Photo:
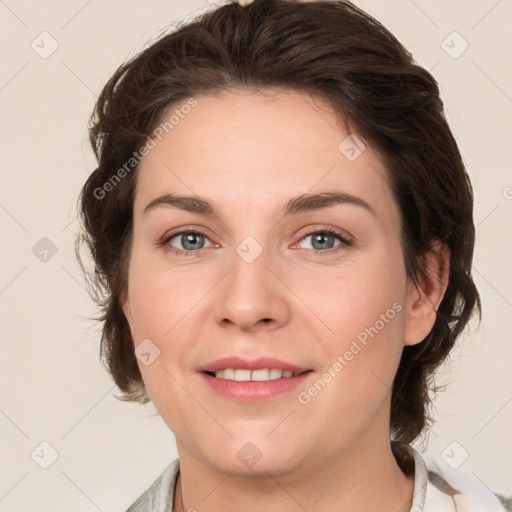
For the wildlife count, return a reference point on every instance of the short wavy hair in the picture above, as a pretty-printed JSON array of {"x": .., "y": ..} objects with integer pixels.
[{"x": 331, "y": 50}]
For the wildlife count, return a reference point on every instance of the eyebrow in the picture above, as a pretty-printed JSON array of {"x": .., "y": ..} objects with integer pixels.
[{"x": 296, "y": 205}]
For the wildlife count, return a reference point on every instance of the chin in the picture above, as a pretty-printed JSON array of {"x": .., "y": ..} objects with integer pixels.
[
  {"x": 257, "y": 456},
  {"x": 276, "y": 465}
]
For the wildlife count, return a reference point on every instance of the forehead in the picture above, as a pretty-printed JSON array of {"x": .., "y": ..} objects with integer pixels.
[{"x": 259, "y": 148}]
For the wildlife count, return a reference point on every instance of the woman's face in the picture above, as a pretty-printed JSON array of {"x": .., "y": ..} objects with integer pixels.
[{"x": 259, "y": 278}]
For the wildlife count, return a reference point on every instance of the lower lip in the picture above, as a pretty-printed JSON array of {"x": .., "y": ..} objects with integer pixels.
[{"x": 253, "y": 391}]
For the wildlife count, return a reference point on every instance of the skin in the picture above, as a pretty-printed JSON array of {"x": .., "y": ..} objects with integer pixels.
[{"x": 249, "y": 153}]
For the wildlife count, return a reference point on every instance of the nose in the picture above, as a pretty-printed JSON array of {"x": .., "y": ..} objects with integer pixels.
[{"x": 252, "y": 297}]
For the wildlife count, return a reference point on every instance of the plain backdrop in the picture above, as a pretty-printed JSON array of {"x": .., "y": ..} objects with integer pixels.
[{"x": 100, "y": 453}]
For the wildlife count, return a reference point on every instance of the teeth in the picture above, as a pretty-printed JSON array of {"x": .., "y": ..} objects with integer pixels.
[
  {"x": 260, "y": 374},
  {"x": 242, "y": 375},
  {"x": 228, "y": 374},
  {"x": 263, "y": 374},
  {"x": 276, "y": 374}
]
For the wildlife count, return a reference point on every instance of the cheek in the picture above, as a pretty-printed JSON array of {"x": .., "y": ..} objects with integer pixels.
[
  {"x": 363, "y": 306},
  {"x": 160, "y": 297},
  {"x": 364, "y": 310},
  {"x": 353, "y": 296},
  {"x": 161, "y": 303}
]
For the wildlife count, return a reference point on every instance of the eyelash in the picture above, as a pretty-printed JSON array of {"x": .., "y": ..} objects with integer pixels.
[{"x": 345, "y": 242}]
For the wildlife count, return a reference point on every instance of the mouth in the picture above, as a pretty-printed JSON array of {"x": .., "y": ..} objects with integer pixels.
[
  {"x": 252, "y": 380},
  {"x": 260, "y": 375}
]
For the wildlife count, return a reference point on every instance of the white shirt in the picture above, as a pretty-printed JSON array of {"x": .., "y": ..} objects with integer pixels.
[{"x": 437, "y": 488}]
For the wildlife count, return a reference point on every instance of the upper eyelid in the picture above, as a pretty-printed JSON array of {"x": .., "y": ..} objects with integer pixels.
[
  {"x": 182, "y": 231},
  {"x": 335, "y": 232}
]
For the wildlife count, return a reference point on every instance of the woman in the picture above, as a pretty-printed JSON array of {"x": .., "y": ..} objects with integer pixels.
[{"x": 281, "y": 223}]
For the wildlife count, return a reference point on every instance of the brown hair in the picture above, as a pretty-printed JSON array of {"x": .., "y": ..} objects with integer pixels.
[{"x": 328, "y": 49}]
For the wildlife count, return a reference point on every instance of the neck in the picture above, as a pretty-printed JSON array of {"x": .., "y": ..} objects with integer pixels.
[{"x": 365, "y": 478}]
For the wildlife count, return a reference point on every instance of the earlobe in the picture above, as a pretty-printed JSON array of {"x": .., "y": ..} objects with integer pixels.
[{"x": 424, "y": 298}]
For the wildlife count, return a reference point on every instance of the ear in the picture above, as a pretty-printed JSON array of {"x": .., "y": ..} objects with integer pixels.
[
  {"x": 125, "y": 304},
  {"x": 423, "y": 299}
]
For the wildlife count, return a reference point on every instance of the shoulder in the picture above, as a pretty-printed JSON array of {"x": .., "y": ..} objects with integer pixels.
[
  {"x": 158, "y": 497},
  {"x": 448, "y": 489}
]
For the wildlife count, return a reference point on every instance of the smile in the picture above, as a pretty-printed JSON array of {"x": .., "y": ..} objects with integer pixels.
[
  {"x": 260, "y": 375},
  {"x": 253, "y": 385}
]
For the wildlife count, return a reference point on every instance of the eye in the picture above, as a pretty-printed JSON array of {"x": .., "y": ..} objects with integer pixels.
[
  {"x": 190, "y": 242},
  {"x": 186, "y": 242},
  {"x": 323, "y": 240}
]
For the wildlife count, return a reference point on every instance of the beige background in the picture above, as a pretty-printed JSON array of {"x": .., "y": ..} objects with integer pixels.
[{"x": 53, "y": 388}]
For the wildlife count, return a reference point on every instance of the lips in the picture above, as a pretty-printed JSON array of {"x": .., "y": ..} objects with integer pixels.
[
  {"x": 253, "y": 391},
  {"x": 260, "y": 363},
  {"x": 263, "y": 374},
  {"x": 251, "y": 380}
]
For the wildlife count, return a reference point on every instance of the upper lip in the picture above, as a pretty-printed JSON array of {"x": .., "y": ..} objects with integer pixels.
[{"x": 250, "y": 364}]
